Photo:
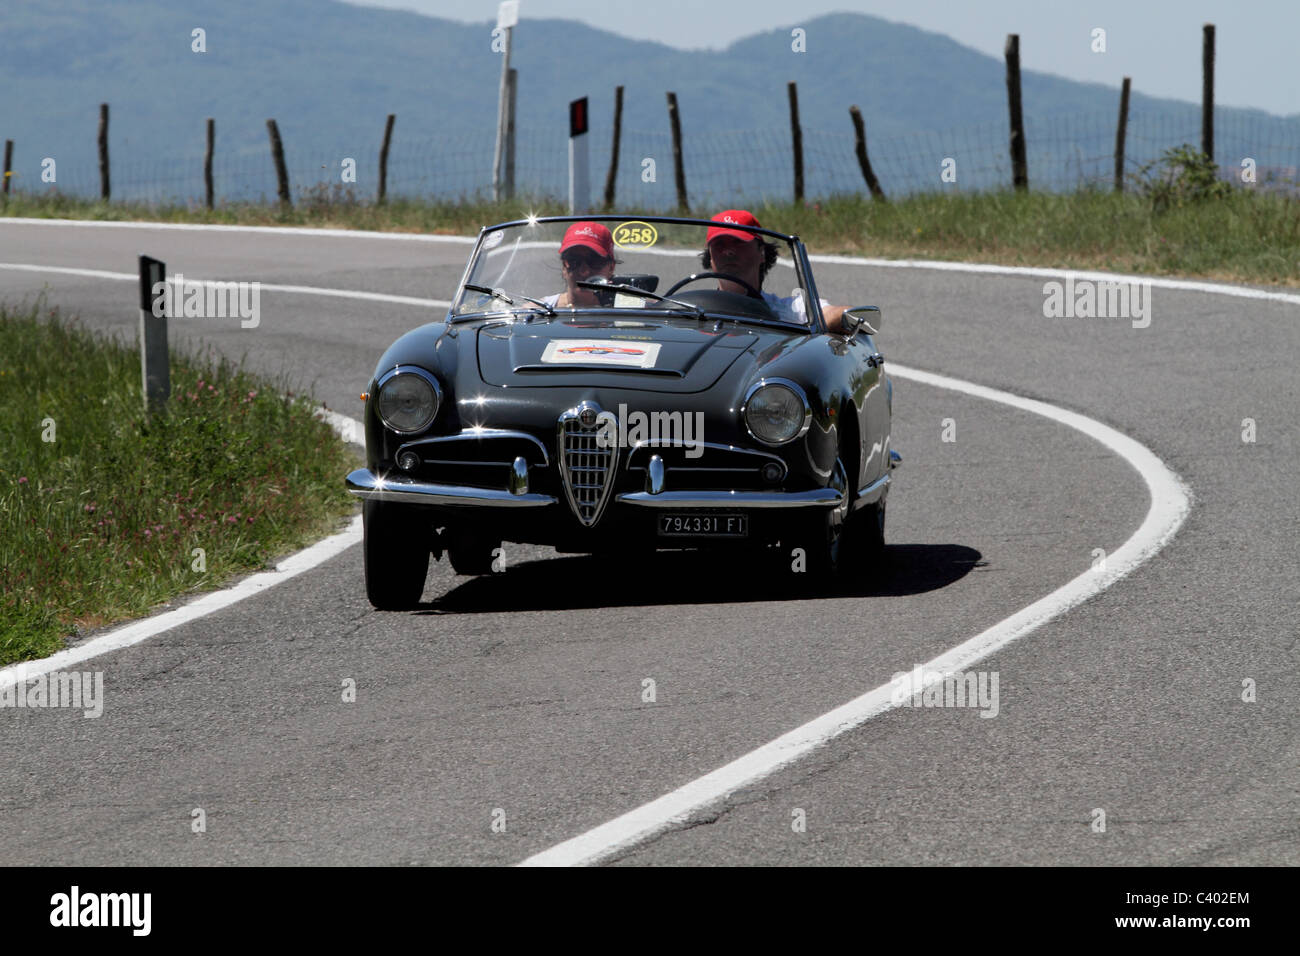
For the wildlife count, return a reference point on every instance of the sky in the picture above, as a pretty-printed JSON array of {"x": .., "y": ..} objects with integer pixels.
[{"x": 1156, "y": 42}]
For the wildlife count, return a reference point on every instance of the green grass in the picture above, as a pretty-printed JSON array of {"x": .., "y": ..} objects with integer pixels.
[
  {"x": 101, "y": 523},
  {"x": 1246, "y": 236}
]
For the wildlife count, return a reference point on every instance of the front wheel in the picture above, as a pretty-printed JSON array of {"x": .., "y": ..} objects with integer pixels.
[
  {"x": 396, "y": 554},
  {"x": 820, "y": 536},
  {"x": 866, "y": 537}
]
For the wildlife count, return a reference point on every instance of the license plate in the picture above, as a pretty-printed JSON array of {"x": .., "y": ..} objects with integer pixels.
[{"x": 694, "y": 524}]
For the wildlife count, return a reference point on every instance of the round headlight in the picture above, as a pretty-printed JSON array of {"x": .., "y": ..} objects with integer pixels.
[
  {"x": 776, "y": 414},
  {"x": 407, "y": 402}
]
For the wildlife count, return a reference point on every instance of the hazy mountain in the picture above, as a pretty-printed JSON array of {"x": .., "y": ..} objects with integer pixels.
[{"x": 329, "y": 73}]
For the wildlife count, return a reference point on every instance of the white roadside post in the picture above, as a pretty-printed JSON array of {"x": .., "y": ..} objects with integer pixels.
[
  {"x": 155, "y": 369},
  {"x": 507, "y": 17},
  {"x": 579, "y": 166}
]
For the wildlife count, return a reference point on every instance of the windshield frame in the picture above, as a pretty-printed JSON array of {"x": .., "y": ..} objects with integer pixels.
[{"x": 799, "y": 255}]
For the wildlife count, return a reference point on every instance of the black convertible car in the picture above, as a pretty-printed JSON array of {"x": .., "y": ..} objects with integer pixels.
[{"x": 604, "y": 386}]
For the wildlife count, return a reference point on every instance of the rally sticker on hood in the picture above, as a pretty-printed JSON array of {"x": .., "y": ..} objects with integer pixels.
[{"x": 625, "y": 353}]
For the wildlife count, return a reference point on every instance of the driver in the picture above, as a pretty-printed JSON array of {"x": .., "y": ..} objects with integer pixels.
[
  {"x": 587, "y": 250},
  {"x": 749, "y": 257}
]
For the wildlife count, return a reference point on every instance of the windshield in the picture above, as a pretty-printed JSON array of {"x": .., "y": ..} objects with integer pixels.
[{"x": 638, "y": 264}]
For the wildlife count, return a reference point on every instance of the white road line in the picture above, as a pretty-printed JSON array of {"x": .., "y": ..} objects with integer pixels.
[
  {"x": 277, "y": 230},
  {"x": 1157, "y": 282},
  {"x": 1170, "y": 503},
  {"x": 139, "y": 631},
  {"x": 265, "y": 286}
]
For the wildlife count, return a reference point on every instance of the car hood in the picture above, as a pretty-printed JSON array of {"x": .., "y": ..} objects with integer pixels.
[{"x": 660, "y": 356}]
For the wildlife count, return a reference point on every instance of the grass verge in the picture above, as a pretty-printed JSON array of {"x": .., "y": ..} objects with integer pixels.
[
  {"x": 1241, "y": 236},
  {"x": 105, "y": 513}
]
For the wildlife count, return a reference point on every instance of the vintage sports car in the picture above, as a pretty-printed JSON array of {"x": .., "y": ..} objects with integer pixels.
[{"x": 669, "y": 412}]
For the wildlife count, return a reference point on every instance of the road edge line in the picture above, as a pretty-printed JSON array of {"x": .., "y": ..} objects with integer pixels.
[{"x": 1171, "y": 501}]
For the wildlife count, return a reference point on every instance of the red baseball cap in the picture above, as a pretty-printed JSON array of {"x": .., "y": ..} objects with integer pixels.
[
  {"x": 590, "y": 234},
  {"x": 739, "y": 217}
]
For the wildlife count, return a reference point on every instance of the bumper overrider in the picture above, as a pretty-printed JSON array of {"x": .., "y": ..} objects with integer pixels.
[{"x": 364, "y": 483}]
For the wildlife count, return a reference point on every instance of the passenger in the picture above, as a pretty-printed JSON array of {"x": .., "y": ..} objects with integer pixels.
[
  {"x": 586, "y": 251},
  {"x": 749, "y": 257}
]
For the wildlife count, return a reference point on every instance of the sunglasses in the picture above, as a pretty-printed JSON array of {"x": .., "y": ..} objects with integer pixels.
[{"x": 578, "y": 260}]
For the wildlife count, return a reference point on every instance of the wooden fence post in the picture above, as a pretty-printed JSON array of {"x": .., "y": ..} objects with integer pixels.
[
  {"x": 860, "y": 147},
  {"x": 512, "y": 85},
  {"x": 1120, "y": 132},
  {"x": 277, "y": 155},
  {"x": 1019, "y": 168},
  {"x": 679, "y": 170},
  {"x": 1207, "y": 91},
  {"x": 207, "y": 162},
  {"x": 383, "y": 158},
  {"x": 796, "y": 138},
  {"x": 9, "y": 165},
  {"x": 613, "y": 153},
  {"x": 503, "y": 107},
  {"x": 103, "y": 151}
]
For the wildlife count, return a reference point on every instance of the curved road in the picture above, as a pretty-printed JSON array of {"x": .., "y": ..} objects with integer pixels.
[{"x": 523, "y": 692}]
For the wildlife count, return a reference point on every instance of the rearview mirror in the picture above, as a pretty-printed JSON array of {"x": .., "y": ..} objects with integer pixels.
[{"x": 864, "y": 318}]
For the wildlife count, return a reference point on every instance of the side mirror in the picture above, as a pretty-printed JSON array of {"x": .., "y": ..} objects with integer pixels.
[{"x": 862, "y": 318}]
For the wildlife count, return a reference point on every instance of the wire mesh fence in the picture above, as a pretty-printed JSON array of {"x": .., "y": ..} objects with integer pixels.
[{"x": 722, "y": 168}]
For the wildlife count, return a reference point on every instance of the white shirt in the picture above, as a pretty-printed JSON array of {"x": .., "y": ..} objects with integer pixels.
[{"x": 790, "y": 308}]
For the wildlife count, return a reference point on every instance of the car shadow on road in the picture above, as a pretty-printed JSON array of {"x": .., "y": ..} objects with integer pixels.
[{"x": 691, "y": 577}]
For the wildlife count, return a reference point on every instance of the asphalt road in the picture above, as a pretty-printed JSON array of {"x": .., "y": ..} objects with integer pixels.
[{"x": 523, "y": 691}]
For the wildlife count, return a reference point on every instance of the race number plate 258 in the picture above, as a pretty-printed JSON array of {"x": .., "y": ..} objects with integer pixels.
[{"x": 696, "y": 524}]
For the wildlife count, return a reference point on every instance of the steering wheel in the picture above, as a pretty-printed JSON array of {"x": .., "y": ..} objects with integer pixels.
[{"x": 754, "y": 293}]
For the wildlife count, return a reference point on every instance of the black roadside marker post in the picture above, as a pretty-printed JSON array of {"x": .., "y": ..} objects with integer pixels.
[
  {"x": 579, "y": 169},
  {"x": 154, "y": 368}
]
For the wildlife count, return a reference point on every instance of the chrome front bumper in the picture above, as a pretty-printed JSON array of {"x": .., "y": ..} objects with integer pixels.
[
  {"x": 396, "y": 487},
  {"x": 364, "y": 483},
  {"x": 819, "y": 498}
]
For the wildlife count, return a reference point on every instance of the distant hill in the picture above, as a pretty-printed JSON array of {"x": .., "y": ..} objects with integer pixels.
[{"x": 329, "y": 73}]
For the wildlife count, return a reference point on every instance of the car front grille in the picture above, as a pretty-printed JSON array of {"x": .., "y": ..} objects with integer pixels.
[{"x": 587, "y": 468}]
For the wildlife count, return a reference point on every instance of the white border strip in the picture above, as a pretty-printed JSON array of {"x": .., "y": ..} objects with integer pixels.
[
  {"x": 1170, "y": 504},
  {"x": 278, "y": 230},
  {"x": 1158, "y": 282},
  {"x": 135, "y": 633},
  {"x": 267, "y": 286}
]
